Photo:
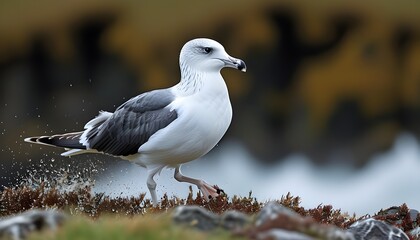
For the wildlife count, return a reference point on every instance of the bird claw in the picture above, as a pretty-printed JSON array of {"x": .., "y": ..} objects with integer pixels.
[
  {"x": 219, "y": 190},
  {"x": 209, "y": 192}
]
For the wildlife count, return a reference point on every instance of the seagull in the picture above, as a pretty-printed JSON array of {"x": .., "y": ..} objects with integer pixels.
[{"x": 164, "y": 128}]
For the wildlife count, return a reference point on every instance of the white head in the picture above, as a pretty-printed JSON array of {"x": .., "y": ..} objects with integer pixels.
[{"x": 203, "y": 54}]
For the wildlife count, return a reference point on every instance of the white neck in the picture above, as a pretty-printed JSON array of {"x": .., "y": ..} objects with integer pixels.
[{"x": 193, "y": 81}]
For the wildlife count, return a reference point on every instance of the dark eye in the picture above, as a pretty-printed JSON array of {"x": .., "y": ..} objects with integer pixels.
[{"x": 207, "y": 49}]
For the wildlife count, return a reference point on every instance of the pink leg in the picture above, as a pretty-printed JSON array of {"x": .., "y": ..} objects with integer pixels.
[
  {"x": 151, "y": 184},
  {"x": 206, "y": 189}
]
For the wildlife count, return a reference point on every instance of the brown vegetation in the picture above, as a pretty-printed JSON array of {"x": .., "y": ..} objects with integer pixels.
[{"x": 82, "y": 201}]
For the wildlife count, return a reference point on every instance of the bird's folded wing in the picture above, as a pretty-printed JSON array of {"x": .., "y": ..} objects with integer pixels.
[{"x": 133, "y": 123}]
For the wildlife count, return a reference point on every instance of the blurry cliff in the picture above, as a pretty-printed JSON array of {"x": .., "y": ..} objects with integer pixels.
[{"x": 334, "y": 80}]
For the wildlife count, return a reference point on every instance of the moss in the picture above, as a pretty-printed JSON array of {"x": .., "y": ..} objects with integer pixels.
[{"x": 153, "y": 227}]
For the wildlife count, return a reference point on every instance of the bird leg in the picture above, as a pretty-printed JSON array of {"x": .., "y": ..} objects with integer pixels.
[
  {"x": 206, "y": 189},
  {"x": 151, "y": 184}
]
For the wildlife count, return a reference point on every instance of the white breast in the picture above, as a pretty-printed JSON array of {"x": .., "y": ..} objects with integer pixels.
[{"x": 203, "y": 119}]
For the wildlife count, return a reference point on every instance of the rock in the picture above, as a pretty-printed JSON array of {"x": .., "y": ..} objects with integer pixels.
[
  {"x": 271, "y": 210},
  {"x": 205, "y": 220},
  {"x": 196, "y": 216},
  {"x": 278, "y": 222},
  {"x": 415, "y": 233},
  {"x": 414, "y": 214},
  {"x": 390, "y": 211},
  {"x": 234, "y": 220},
  {"x": 333, "y": 233},
  {"x": 280, "y": 234},
  {"x": 19, "y": 226},
  {"x": 373, "y": 229},
  {"x": 399, "y": 215}
]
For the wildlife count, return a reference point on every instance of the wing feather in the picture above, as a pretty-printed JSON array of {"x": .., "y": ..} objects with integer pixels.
[{"x": 133, "y": 123}]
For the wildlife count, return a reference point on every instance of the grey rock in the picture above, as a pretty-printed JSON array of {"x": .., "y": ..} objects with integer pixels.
[
  {"x": 19, "y": 226},
  {"x": 376, "y": 230},
  {"x": 234, "y": 220},
  {"x": 271, "y": 210},
  {"x": 413, "y": 214},
  {"x": 415, "y": 233},
  {"x": 287, "y": 224},
  {"x": 395, "y": 211},
  {"x": 280, "y": 234},
  {"x": 391, "y": 211},
  {"x": 196, "y": 216},
  {"x": 335, "y": 233}
]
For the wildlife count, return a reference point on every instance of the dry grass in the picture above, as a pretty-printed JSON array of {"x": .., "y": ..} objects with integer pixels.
[
  {"x": 83, "y": 201},
  {"x": 102, "y": 210}
]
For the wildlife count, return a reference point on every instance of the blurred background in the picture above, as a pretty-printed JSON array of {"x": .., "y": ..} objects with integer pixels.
[{"x": 329, "y": 108}]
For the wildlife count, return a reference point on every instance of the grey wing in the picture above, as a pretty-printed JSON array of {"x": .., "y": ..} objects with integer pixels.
[{"x": 133, "y": 123}]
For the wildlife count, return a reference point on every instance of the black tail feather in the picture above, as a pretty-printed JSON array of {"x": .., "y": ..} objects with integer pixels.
[{"x": 68, "y": 140}]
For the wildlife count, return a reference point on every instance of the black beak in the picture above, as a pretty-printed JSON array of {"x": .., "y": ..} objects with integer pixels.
[
  {"x": 235, "y": 63},
  {"x": 241, "y": 65}
]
